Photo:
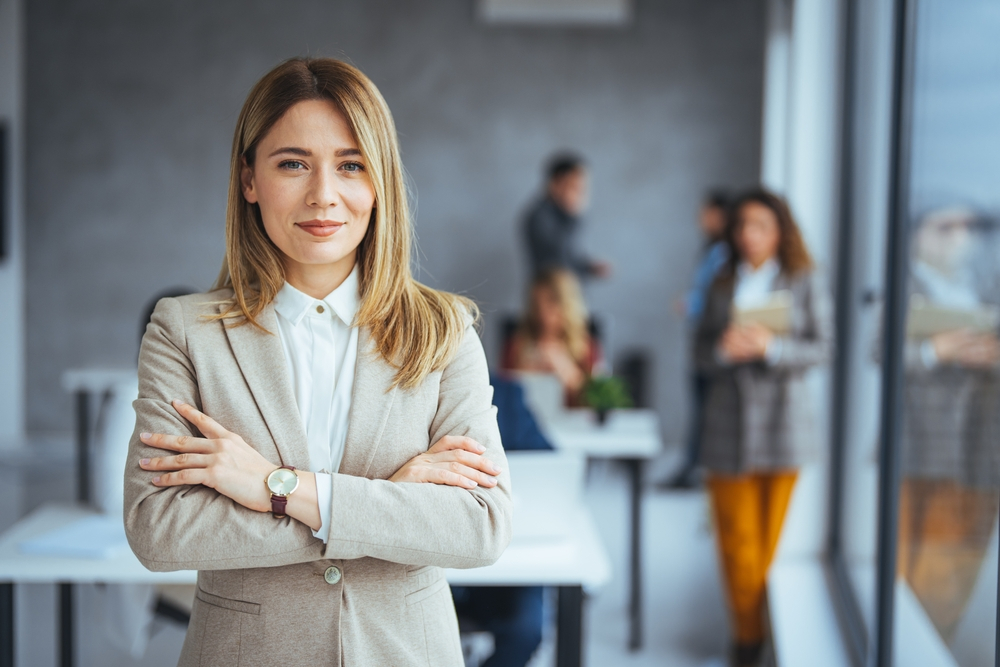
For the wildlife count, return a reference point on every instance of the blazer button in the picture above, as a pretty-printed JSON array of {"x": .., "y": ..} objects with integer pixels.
[{"x": 332, "y": 575}]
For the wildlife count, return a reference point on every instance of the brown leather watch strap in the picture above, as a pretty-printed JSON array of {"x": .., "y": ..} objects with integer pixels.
[{"x": 278, "y": 503}]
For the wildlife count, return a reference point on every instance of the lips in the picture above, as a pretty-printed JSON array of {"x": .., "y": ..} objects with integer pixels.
[{"x": 320, "y": 227}]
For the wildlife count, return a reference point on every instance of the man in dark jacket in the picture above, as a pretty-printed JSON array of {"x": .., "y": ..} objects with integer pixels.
[{"x": 552, "y": 225}]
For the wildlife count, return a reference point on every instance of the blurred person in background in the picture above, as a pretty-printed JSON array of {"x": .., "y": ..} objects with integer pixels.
[
  {"x": 951, "y": 433},
  {"x": 712, "y": 221},
  {"x": 514, "y": 615},
  {"x": 552, "y": 225},
  {"x": 758, "y": 426},
  {"x": 553, "y": 336}
]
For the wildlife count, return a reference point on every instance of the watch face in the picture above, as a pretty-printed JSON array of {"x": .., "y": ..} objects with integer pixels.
[{"x": 282, "y": 481}]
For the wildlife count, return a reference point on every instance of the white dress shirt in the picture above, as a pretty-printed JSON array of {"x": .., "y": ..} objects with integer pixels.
[
  {"x": 753, "y": 288},
  {"x": 321, "y": 350}
]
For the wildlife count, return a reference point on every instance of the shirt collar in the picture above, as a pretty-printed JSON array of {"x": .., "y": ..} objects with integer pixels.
[
  {"x": 293, "y": 304},
  {"x": 769, "y": 269}
]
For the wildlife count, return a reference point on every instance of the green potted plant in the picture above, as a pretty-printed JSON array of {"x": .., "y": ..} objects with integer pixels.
[{"x": 605, "y": 393}]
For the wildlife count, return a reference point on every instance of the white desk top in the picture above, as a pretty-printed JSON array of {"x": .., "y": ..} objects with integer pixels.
[
  {"x": 625, "y": 434},
  {"x": 555, "y": 543}
]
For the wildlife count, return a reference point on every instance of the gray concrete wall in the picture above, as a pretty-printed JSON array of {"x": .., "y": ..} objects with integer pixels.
[
  {"x": 12, "y": 266},
  {"x": 131, "y": 107}
]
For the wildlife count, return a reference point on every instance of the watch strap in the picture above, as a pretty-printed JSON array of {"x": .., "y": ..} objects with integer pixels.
[{"x": 278, "y": 504}]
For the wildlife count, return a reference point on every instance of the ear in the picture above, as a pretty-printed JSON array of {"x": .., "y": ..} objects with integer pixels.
[{"x": 246, "y": 181}]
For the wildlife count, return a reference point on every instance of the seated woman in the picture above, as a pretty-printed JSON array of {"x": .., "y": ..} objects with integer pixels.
[
  {"x": 758, "y": 424},
  {"x": 315, "y": 436},
  {"x": 553, "y": 336}
]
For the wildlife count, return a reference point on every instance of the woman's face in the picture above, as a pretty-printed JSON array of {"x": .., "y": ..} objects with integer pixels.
[
  {"x": 547, "y": 308},
  {"x": 312, "y": 186},
  {"x": 944, "y": 239},
  {"x": 758, "y": 234}
]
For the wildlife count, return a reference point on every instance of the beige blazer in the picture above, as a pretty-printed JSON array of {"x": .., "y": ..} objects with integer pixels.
[{"x": 262, "y": 596}]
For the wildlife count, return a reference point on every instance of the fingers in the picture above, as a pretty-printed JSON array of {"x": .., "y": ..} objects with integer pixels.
[
  {"x": 465, "y": 458},
  {"x": 179, "y": 462},
  {"x": 189, "y": 476},
  {"x": 178, "y": 443},
  {"x": 480, "y": 478},
  {"x": 450, "y": 442},
  {"x": 208, "y": 426}
]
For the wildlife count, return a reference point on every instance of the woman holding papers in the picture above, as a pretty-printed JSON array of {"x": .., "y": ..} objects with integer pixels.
[
  {"x": 767, "y": 320},
  {"x": 315, "y": 436},
  {"x": 951, "y": 417}
]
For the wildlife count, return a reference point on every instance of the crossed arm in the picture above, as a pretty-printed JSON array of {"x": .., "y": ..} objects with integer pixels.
[{"x": 195, "y": 497}]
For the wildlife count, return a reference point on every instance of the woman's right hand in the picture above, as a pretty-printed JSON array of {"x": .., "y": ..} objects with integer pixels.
[{"x": 454, "y": 461}]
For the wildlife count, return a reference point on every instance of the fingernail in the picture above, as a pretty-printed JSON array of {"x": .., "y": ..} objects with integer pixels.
[
  {"x": 144, "y": 462},
  {"x": 495, "y": 468},
  {"x": 472, "y": 483},
  {"x": 156, "y": 480},
  {"x": 145, "y": 436},
  {"x": 480, "y": 448}
]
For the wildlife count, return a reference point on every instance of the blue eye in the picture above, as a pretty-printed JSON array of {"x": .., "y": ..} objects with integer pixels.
[
  {"x": 293, "y": 165},
  {"x": 354, "y": 167}
]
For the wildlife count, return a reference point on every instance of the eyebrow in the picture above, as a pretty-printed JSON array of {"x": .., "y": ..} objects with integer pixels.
[{"x": 292, "y": 150}]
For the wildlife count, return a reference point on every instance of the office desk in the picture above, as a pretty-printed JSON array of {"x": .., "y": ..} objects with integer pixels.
[
  {"x": 631, "y": 436},
  {"x": 554, "y": 544}
]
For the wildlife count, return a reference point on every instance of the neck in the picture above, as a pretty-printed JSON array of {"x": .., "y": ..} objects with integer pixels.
[
  {"x": 318, "y": 280},
  {"x": 759, "y": 262}
]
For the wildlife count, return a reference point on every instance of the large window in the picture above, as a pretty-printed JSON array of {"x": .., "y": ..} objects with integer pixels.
[{"x": 917, "y": 451}]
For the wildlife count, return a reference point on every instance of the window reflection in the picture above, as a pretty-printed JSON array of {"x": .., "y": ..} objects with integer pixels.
[
  {"x": 948, "y": 505},
  {"x": 949, "y": 499}
]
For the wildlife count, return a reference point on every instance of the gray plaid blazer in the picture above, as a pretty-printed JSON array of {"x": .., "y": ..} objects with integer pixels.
[{"x": 759, "y": 416}]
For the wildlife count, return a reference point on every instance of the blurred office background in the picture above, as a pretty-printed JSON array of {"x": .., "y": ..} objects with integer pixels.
[{"x": 875, "y": 119}]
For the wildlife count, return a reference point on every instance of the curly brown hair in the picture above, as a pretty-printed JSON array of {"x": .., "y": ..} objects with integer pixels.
[{"x": 793, "y": 256}]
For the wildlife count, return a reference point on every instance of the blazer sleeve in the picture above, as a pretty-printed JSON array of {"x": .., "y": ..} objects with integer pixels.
[
  {"x": 432, "y": 524},
  {"x": 814, "y": 345},
  {"x": 192, "y": 527},
  {"x": 713, "y": 322}
]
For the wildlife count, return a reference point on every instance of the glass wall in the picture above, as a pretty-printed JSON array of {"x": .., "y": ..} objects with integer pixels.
[
  {"x": 944, "y": 597},
  {"x": 950, "y": 455}
]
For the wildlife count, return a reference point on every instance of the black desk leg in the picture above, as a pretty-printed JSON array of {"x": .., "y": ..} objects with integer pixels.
[
  {"x": 569, "y": 627},
  {"x": 66, "y": 625},
  {"x": 635, "y": 557},
  {"x": 7, "y": 624},
  {"x": 83, "y": 446}
]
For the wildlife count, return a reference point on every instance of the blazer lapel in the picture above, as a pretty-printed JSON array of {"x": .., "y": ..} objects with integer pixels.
[
  {"x": 262, "y": 361},
  {"x": 370, "y": 405}
]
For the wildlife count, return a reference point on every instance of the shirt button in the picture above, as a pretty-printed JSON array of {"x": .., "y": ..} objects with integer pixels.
[
  {"x": 332, "y": 575},
  {"x": 320, "y": 309}
]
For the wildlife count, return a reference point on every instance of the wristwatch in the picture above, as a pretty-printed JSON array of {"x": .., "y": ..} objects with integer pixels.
[{"x": 281, "y": 482}]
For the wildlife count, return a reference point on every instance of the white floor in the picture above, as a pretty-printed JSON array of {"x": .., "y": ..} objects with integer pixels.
[{"x": 685, "y": 621}]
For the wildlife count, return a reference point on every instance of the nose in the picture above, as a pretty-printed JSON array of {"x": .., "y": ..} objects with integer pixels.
[{"x": 323, "y": 191}]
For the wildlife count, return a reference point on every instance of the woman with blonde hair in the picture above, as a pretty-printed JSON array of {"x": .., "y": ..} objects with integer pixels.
[
  {"x": 758, "y": 417},
  {"x": 553, "y": 336},
  {"x": 315, "y": 436}
]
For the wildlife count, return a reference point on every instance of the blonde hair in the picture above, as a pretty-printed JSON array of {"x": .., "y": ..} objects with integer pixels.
[
  {"x": 566, "y": 289},
  {"x": 414, "y": 327}
]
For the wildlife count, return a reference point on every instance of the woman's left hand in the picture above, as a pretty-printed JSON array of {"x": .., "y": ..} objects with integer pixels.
[{"x": 221, "y": 460}]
